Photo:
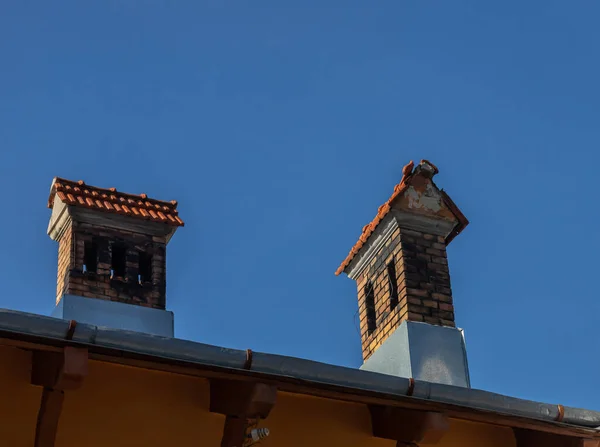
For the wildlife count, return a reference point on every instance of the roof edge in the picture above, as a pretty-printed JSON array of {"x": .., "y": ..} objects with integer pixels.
[
  {"x": 462, "y": 220},
  {"x": 311, "y": 374}
]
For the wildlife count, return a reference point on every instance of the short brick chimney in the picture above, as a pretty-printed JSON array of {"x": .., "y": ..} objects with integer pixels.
[
  {"x": 401, "y": 269},
  {"x": 111, "y": 256}
]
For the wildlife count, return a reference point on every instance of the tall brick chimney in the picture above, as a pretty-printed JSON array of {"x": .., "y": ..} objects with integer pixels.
[
  {"x": 111, "y": 256},
  {"x": 404, "y": 295}
]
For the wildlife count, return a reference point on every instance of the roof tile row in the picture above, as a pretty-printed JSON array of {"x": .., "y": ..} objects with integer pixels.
[{"x": 112, "y": 201}]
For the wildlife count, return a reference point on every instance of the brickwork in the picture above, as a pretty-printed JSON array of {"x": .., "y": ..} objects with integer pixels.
[
  {"x": 421, "y": 282},
  {"x": 106, "y": 282},
  {"x": 65, "y": 259}
]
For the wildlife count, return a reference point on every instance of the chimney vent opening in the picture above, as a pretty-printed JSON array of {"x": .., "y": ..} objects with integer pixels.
[
  {"x": 145, "y": 267},
  {"x": 118, "y": 260},
  {"x": 90, "y": 257},
  {"x": 370, "y": 306},
  {"x": 393, "y": 284}
]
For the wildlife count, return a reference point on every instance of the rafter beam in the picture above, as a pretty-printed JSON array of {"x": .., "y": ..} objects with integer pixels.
[
  {"x": 55, "y": 372},
  {"x": 408, "y": 426},
  {"x": 234, "y": 432},
  {"x": 240, "y": 401}
]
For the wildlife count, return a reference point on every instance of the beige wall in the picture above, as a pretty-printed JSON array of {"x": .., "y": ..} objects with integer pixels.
[{"x": 124, "y": 406}]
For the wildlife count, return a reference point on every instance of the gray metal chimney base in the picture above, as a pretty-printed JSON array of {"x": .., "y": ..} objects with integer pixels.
[
  {"x": 115, "y": 315},
  {"x": 425, "y": 352}
]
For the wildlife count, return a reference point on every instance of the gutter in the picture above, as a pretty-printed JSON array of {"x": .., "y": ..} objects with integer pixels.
[{"x": 21, "y": 325}]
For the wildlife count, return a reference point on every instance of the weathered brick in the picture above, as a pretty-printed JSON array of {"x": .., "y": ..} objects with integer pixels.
[
  {"x": 419, "y": 310},
  {"x": 407, "y": 279},
  {"x": 424, "y": 257},
  {"x": 415, "y": 317},
  {"x": 422, "y": 282},
  {"x": 439, "y": 260},
  {"x": 445, "y": 315},
  {"x": 443, "y": 289},
  {"x": 435, "y": 252},
  {"x": 441, "y": 297},
  {"x": 430, "y": 303},
  {"x": 427, "y": 286},
  {"x": 70, "y": 276},
  {"x": 416, "y": 292},
  {"x": 437, "y": 267}
]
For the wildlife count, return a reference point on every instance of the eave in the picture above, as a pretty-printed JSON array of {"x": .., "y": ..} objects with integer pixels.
[{"x": 37, "y": 333}]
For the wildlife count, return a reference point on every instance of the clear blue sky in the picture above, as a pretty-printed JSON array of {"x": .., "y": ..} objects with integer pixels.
[{"x": 280, "y": 127}]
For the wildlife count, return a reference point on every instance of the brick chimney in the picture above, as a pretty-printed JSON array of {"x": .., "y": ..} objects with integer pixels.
[
  {"x": 111, "y": 256},
  {"x": 400, "y": 267}
]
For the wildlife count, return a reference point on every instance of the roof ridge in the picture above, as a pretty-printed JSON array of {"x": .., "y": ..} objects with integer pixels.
[{"x": 142, "y": 196}]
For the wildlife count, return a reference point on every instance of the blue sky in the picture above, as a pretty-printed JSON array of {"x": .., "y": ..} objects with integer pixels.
[{"x": 280, "y": 127}]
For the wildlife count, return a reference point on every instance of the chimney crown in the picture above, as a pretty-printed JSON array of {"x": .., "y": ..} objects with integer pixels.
[
  {"x": 416, "y": 193},
  {"x": 77, "y": 193}
]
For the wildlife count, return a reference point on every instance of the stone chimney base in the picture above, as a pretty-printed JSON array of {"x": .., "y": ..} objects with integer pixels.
[
  {"x": 115, "y": 315},
  {"x": 424, "y": 352}
]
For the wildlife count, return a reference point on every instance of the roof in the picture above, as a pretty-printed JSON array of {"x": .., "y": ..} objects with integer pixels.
[
  {"x": 407, "y": 175},
  {"x": 77, "y": 193},
  {"x": 32, "y": 331}
]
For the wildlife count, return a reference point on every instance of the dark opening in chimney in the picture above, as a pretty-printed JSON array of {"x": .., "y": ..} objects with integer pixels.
[
  {"x": 90, "y": 257},
  {"x": 393, "y": 284},
  {"x": 370, "y": 306},
  {"x": 145, "y": 267},
  {"x": 118, "y": 261}
]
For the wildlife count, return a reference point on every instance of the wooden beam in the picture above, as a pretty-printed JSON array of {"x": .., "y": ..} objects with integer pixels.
[
  {"x": 55, "y": 372},
  {"x": 408, "y": 426},
  {"x": 48, "y": 416},
  {"x": 234, "y": 432},
  {"x": 242, "y": 399},
  {"x": 64, "y": 370},
  {"x": 533, "y": 438}
]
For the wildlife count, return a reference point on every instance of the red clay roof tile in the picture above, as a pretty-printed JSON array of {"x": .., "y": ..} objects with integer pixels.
[
  {"x": 384, "y": 209},
  {"x": 139, "y": 206}
]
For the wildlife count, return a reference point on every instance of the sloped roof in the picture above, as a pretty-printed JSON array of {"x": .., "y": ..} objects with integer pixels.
[{"x": 77, "y": 193}]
